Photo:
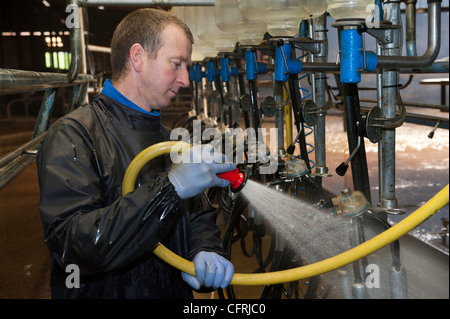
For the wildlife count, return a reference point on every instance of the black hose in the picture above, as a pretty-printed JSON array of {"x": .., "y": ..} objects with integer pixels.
[
  {"x": 298, "y": 118},
  {"x": 254, "y": 101},
  {"x": 359, "y": 161},
  {"x": 242, "y": 92}
]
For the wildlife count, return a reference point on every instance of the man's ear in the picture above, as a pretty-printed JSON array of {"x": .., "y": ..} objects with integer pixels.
[{"x": 137, "y": 54}]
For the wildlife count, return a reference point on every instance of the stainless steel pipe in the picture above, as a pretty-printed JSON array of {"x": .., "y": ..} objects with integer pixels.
[
  {"x": 411, "y": 27},
  {"x": 16, "y": 81},
  {"x": 434, "y": 45},
  {"x": 411, "y": 64},
  {"x": 320, "y": 98},
  {"x": 389, "y": 90}
]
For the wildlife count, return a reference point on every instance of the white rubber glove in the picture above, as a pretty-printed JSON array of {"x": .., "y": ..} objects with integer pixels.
[
  {"x": 199, "y": 172},
  {"x": 211, "y": 270}
]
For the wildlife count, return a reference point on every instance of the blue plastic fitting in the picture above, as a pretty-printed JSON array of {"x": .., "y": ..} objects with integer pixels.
[
  {"x": 198, "y": 73},
  {"x": 253, "y": 68},
  {"x": 262, "y": 68},
  {"x": 226, "y": 71},
  {"x": 192, "y": 73},
  {"x": 250, "y": 66},
  {"x": 379, "y": 6},
  {"x": 352, "y": 57},
  {"x": 284, "y": 64},
  {"x": 210, "y": 71}
]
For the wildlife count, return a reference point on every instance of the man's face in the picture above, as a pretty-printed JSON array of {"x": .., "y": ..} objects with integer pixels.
[{"x": 164, "y": 74}]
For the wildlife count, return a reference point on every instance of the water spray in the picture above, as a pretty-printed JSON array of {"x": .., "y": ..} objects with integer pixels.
[{"x": 278, "y": 277}]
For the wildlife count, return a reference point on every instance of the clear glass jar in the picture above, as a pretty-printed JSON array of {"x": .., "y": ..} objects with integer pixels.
[
  {"x": 283, "y": 17},
  {"x": 200, "y": 49},
  {"x": 350, "y": 9},
  {"x": 230, "y": 19},
  {"x": 313, "y": 8},
  {"x": 208, "y": 31}
]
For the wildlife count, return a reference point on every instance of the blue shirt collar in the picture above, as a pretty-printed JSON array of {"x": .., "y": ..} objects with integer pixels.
[{"x": 111, "y": 91}]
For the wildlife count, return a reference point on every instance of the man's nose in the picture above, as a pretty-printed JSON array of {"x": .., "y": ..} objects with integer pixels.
[{"x": 183, "y": 77}]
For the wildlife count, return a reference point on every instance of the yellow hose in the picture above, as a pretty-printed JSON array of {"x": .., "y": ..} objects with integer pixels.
[
  {"x": 395, "y": 232},
  {"x": 287, "y": 119}
]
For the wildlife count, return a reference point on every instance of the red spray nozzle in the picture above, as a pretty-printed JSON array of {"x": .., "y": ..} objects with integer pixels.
[{"x": 236, "y": 178}]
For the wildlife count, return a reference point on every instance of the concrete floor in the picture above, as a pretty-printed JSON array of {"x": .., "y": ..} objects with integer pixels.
[
  {"x": 422, "y": 170},
  {"x": 24, "y": 261}
]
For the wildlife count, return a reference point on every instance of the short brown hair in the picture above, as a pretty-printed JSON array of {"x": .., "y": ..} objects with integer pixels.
[{"x": 143, "y": 26}]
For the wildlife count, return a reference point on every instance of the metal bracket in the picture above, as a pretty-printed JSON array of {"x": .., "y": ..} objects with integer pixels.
[
  {"x": 373, "y": 132},
  {"x": 310, "y": 112},
  {"x": 269, "y": 106},
  {"x": 384, "y": 33},
  {"x": 246, "y": 102},
  {"x": 307, "y": 44}
]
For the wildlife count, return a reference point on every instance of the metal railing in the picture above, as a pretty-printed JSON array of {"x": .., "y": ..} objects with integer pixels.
[{"x": 19, "y": 81}]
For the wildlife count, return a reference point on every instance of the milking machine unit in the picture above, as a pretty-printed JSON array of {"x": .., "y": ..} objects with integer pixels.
[{"x": 232, "y": 37}]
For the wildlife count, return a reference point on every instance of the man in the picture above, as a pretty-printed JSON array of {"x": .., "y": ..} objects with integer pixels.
[{"x": 82, "y": 162}]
